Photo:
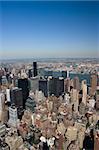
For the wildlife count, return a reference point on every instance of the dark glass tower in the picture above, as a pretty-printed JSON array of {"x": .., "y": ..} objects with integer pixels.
[
  {"x": 34, "y": 69},
  {"x": 56, "y": 86},
  {"x": 43, "y": 86},
  {"x": 30, "y": 73},
  {"x": 24, "y": 85},
  {"x": 16, "y": 97}
]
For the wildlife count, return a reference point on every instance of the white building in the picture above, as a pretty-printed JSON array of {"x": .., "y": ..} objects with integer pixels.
[
  {"x": 84, "y": 90},
  {"x": 39, "y": 95},
  {"x": 74, "y": 99},
  {"x": 2, "y": 101},
  {"x": 13, "y": 116},
  {"x": 8, "y": 95},
  {"x": 67, "y": 98}
]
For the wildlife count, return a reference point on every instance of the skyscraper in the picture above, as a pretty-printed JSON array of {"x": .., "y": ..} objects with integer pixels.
[
  {"x": 56, "y": 86},
  {"x": 97, "y": 98},
  {"x": 8, "y": 97},
  {"x": 30, "y": 73},
  {"x": 16, "y": 97},
  {"x": 84, "y": 90},
  {"x": 67, "y": 85},
  {"x": 24, "y": 85},
  {"x": 13, "y": 116},
  {"x": 34, "y": 83},
  {"x": 76, "y": 83},
  {"x": 34, "y": 69},
  {"x": 43, "y": 86},
  {"x": 2, "y": 101},
  {"x": 74, "y": 99},
  {"x": 2, "y": 105},
  {"x": 93, "y": 84}
]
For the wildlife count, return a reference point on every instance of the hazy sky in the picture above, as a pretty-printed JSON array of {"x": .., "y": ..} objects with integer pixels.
[{"x": 49, "y": 29}]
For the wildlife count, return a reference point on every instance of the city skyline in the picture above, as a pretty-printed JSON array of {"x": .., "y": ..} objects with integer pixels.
[{"x": 49, "y": 29}]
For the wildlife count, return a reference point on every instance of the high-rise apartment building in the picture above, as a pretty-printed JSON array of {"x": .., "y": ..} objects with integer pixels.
[{"x": 34, "y": 69}]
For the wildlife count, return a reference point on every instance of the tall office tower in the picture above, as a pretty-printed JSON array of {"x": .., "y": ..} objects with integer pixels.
[
  {"x": 8, "y": 95},
  {"x": 84, "y": 92},
  {"x": 75, "y": 99},
  {"x": 93, "y": 84},
  {"x": 2, "y": 101},
  {"x": 34, "y": 84},
  {"x": 76, "y": 83},
  {"x": 24, "y": 85},
  {"x": 97, "y": 98},
  {"x": 43, "y": 86},
  {"x": 12, "y": 116},
  {"x": 30, "y": 73},
  {"x": 56, "y": 86},
  {"x": 16, "y": 97},
  {"x": 2, "y": 106},
  {"x": 34, "y": 69},
  {"x": 67, "y": 74},
  {"x": 67, "y": 85}
]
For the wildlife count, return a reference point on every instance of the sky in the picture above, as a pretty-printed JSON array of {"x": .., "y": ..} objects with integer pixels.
[{"x": 49, "y": 29}]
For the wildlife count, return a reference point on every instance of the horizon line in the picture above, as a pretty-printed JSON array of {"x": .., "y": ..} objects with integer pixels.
[{"x": 49, "y": 58}]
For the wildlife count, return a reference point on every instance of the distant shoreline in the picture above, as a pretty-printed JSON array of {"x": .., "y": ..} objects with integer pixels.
[{"x": 50, "y": 60}]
